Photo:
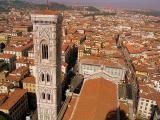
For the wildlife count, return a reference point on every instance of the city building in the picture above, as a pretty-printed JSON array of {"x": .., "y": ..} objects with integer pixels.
[
  {"x": 15, "y": 104},
  {"x": 156, "y": 115},
  {"x": 29, "y": 84},
  {"x": 4, "y": 38},
  {"x": 3, "y": 66},
  {"x": 5, "y": 87},
  {"x": 148, "y": 100},
  {"x": 10, "y": 60},
  {"x": 27, "y": 62},
  {"x": 22, "y": 28},
  {"x": 18, "y": 75},
  {"x": 19, "y": 48},
  {"x": 66, "y": 53},
  {"x": 3, "y": 75},
  {"x": 113, "y": 68},
  {"x": 157, "y": 84}
]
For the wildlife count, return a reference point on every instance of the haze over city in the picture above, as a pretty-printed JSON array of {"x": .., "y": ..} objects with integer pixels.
[{"x": 136, "y": 4}]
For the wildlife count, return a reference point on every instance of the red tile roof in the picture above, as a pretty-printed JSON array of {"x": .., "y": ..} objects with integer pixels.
[
  {"x": 21, "y": 70},
  {"x": 13, "y": 98},
  {"x": 149, "y": 93},
  {"x": 20, "y": 48},
  {"x": 134, "y": 49},
  {"x": 13, "y": 78},
  {"x": 93, "y": 60},
  {"x": 30, "y": 79},
  {"x": 98, "y": 97},
  {"x": 6, "y": 56},
  {"x": 25, "y": 60}
]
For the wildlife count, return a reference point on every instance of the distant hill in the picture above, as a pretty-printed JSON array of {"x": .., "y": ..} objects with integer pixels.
[
  {"x": 151, "y": 13},
  {"x": 22, "y": 4},
  {"x": 147, "y": 12},
  {"x": 31, "y": 4}
]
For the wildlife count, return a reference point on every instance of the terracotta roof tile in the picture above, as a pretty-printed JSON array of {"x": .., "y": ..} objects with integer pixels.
[
  {"x": 25, "y": 60},
  {"x": 30, "y": 79},
  {"x": 8, "y": 56},
  {"x": 13, "y": 78},
  {"x": 20, "y": 48},
  {"x": 93, "y": 60},
  {"x": 13, "y": 98},
  {"x": 149, "y": 93},
  {"x": 98, "y": 97}
]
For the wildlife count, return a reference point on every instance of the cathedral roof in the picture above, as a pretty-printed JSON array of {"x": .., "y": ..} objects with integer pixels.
[{"x": 98, "y": 97}]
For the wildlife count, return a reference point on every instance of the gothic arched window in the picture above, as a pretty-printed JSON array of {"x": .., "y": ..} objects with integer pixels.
[
  {"x": 43, "y": 95},
  {"x": 42, "y": 77},
  {"x": 48, "y": 78},
  {"x": 44, "y": 51},
  {"x": 48, "y": 96}
]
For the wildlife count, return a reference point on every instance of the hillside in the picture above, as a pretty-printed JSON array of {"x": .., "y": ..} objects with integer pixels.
[
  {"x": 147, "y": 12},
  {"x": 5, "y": 5}
]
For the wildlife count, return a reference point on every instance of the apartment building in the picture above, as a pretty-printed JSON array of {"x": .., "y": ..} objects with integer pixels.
[
  {"x": 29, "y": 84},
  {"x": 15, "y": 104}
]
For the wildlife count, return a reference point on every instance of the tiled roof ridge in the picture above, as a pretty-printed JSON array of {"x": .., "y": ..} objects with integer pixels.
[{"x": 98, "y": 95}]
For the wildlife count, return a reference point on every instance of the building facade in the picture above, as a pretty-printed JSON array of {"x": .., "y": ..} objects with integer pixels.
[
  {"x": 157, "y": 85},
  {"x": 29, "y": 84},
  {"x": 148, "y": 100},
  {"x": 145, "y": 107},
  {"x": 15, "y": 105},
  {"x": 47, "y": 48},
  {"x": 88, "y": 66}
]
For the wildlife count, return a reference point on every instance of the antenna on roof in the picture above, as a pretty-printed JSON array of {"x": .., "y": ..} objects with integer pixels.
[{"x": 47, "y": 3}]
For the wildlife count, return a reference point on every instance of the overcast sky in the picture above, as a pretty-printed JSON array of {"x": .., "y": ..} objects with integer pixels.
[{"x": 144, "y": 4}]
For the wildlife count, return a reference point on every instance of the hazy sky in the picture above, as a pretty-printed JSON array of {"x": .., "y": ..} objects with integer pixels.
[{"x": 145, "y": 4}]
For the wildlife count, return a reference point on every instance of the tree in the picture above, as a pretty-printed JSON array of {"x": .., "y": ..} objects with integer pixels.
[{"x": 3, "y": 116}]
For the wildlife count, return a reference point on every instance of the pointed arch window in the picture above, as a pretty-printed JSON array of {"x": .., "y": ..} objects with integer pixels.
[
  {"x": 48, "y": 78},
  {"x": 42, "y": 77},
  {"x": 44, "y": 51},
  {"x": 43, "y": 96},
  {"x": 48, "y": 96}
]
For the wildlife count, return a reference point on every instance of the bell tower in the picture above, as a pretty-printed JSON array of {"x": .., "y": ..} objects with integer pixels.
[{"x": 47, "y": 49}]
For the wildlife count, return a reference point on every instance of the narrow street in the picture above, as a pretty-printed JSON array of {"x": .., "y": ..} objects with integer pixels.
[{"x": 131, "y": 75}]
